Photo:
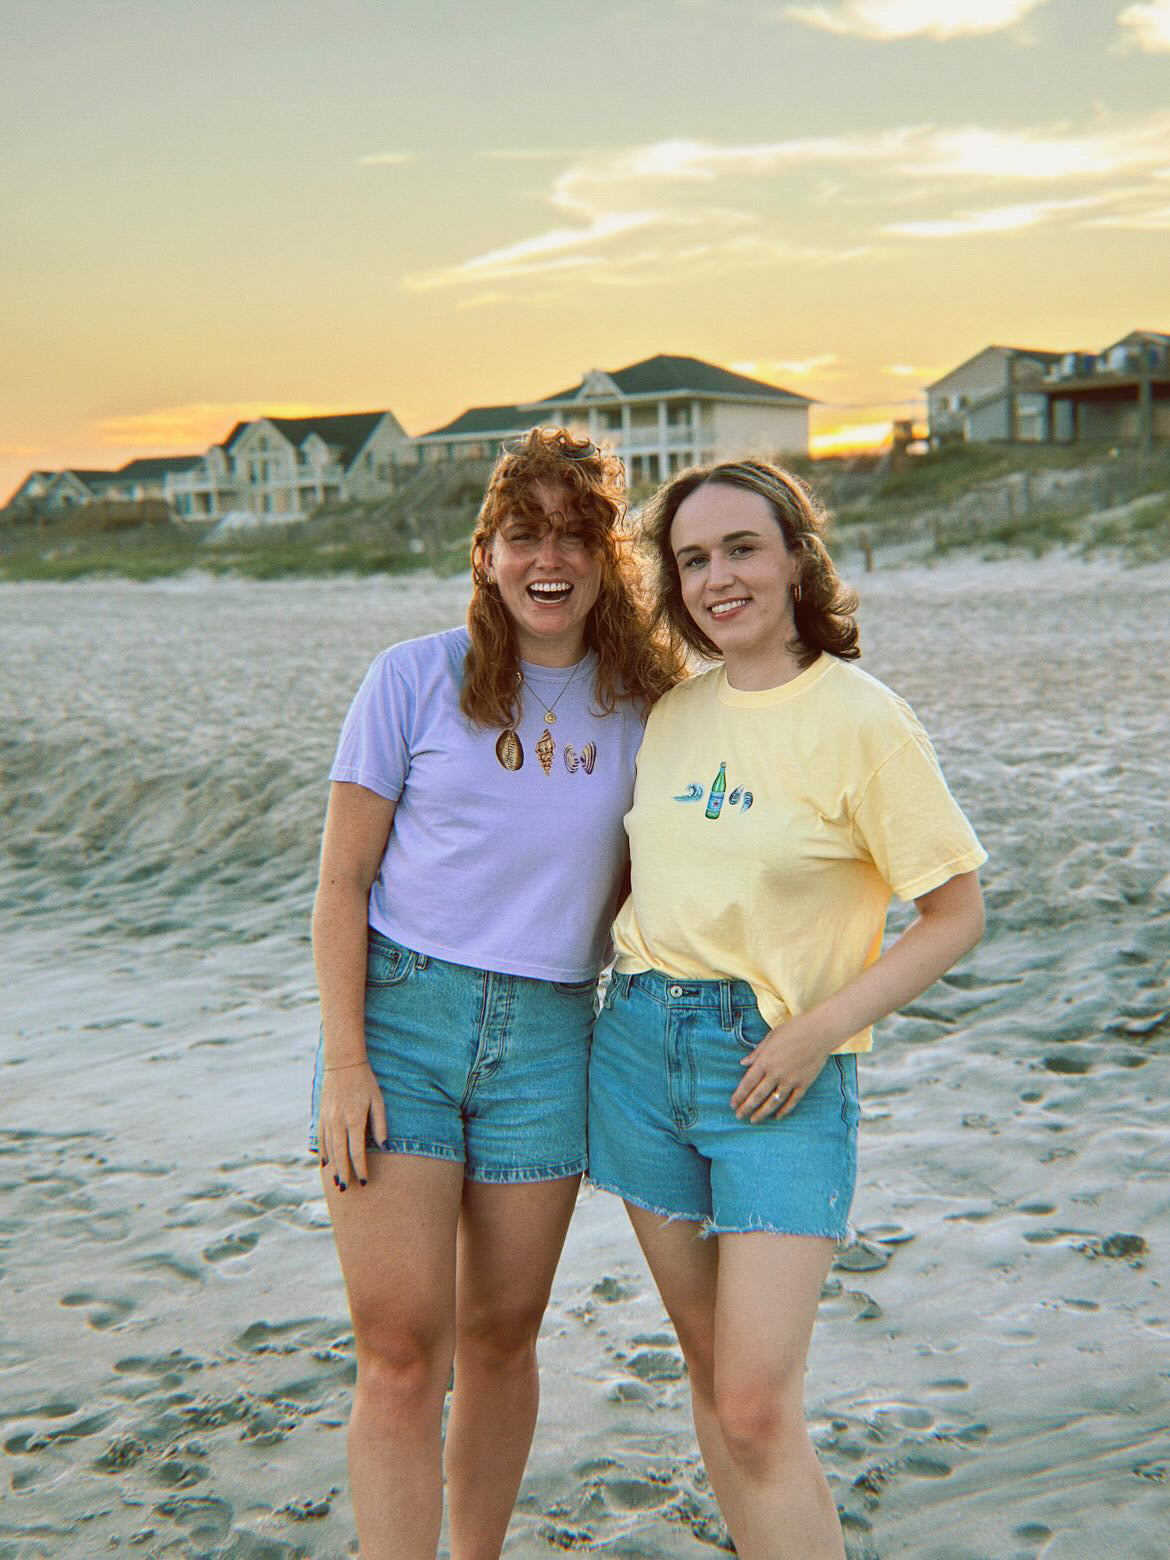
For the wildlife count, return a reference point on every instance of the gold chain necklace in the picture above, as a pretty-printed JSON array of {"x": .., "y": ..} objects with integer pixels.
[{"x": 509, "y": 749}]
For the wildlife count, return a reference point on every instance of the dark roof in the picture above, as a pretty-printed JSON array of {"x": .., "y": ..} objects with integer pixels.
[
  {"x": 664, "y": 374},
  {"x": 488, "y": 420},
  {"x": 1034, "y": 352},
  {"x": 156, "y": 465},
  {"x": 347, "y": 432},
  {"x": 87, "y": 475},
  {"x": 1029, "y": 352}
]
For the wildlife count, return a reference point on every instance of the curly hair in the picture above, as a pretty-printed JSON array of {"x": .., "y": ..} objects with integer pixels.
[
  {"x": 633, "y": 659},
  {"x": 823, "y": 607}
]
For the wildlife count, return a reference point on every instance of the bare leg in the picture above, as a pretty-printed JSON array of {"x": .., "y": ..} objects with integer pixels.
[
  {"x": 769, "y": 1286},
  {"x": 686, "y": 1270},
  {"x": 510, "y": 1239},
  {"x": 396, "y": 1241}
]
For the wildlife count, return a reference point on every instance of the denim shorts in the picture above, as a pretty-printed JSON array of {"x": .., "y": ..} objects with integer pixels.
[
  {"x": 483, "y": 1069},
  {"x": 662, "y": 1133}
]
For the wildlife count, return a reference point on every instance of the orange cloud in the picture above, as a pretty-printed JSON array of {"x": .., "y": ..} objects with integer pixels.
[{"x": 196, "y": 425}]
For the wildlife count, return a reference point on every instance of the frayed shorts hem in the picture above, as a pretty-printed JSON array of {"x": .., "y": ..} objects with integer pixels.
[
  {"x": 708, "y": 1227},
  {"x": 488, "y": 1174},
  {"x": 838, "y": 1240},
  {"x": 669, "y": 1214}
]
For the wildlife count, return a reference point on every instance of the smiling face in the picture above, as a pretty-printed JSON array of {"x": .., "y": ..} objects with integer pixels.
[
  {"x": 547, "y": 577},
  {"x": 737, "y": 576}
]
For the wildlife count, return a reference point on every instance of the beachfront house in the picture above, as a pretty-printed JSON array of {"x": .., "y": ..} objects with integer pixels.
[
  {"x": 659, "y": 415},
  {"x": 58, "y": 492},
  {"x": 280, "y": 469},
  {"x": 997, "y": 395},
  {"x": 1120, "y": 395}
]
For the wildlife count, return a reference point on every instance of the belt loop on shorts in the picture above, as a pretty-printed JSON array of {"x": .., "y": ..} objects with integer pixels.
[
  {"x": 421, "y": 960},
  {"x": 725, "y": 1019},
  {"x": 621, "y": 984}
]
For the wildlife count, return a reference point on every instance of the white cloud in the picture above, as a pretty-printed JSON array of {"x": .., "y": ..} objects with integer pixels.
[
  {"x": 992, "y": 219},
  {"x": 385, "y": 159},
  {"x": 1153, "y": 220},
  {"x": 794, "y": 368},
  {"x": 886, "y": 20},
  {"x": 544, "y": 252},
  {"x": 698, "y": 206},
  {"x": 1148, "y": 25}
]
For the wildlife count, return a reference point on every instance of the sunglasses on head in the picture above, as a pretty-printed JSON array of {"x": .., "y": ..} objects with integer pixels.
[{"x": 564, "y": 445}]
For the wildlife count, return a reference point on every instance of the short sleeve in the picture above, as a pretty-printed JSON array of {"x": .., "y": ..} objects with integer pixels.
[
  {"x": 374, "y": 748},
  {"x": 910, "y": 825}
]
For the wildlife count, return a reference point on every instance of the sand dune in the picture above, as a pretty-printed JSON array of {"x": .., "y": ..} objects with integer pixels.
[{"x": 989, "y": 1375}]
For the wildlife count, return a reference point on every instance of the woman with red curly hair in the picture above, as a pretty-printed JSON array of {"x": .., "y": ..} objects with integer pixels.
[
  {"x": 471, "y": 863},
  {"x": 781, "y": 797}
]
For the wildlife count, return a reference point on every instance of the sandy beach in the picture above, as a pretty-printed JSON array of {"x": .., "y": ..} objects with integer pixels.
[{"x": 989, "y": 1376}]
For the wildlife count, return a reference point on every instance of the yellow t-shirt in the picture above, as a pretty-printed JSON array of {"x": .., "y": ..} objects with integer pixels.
[{"x": 769, "y": 829}]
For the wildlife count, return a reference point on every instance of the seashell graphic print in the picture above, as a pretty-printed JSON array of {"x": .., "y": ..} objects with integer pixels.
[
  {"x": 508, "y": 749},
  {"x": 545, "y": 749},
  {"x": 589, "y": 757},
  {"x": 748, "y": 799},
  {"x": 569, "y": 754}
]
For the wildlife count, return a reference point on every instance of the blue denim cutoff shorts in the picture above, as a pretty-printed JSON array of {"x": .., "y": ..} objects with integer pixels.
[
  {"x": 662, "y": 1133},
  {"x": 484, "y": 1069}
]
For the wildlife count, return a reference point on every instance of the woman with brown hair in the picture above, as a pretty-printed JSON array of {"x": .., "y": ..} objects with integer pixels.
[
  {"x": 781, "y": 798},
  {"x": 472, "y": 857}
]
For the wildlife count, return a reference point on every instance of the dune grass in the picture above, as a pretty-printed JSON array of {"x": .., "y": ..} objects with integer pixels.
[{"x": 993, "y": 500}]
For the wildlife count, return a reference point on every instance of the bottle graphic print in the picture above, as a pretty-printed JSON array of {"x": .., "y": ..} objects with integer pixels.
[{"x": 718, "y": 790}]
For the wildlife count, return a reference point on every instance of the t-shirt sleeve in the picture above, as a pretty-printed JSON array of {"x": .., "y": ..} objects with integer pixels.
[
  {"x": 374, "y": 749},
  {"x": 910, "y": 825}
]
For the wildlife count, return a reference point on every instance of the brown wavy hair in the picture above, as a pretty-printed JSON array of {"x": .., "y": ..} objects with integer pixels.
[
  {"x": 823, "y": 607},
  {"x": 634, "y": 660}
]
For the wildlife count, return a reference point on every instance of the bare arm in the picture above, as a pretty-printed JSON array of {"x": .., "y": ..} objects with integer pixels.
[
  {"x": 948, "y": 924},
  {"x": 357, "y": 825}
]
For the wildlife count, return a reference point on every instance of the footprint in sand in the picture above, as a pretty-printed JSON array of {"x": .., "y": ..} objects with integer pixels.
[
  {"x": 639, "y": 1494},
  {"x": 611, "y": 1290},
  {"x": 837, "y": 1302},
  {"x": 927, "y": 1467},
  {"x": 101, "y": 1312},
  {"x": 164, "y": 1262},
  {"x": 231, "y": 1246},
  {"x": 1032, "y": 1532},
  {"x": 170, "y": 1368},
  {"x": 862, "y": 1256},
  {"x": 656, "y": 1365},
  {"x": 206, "y": 1519}
]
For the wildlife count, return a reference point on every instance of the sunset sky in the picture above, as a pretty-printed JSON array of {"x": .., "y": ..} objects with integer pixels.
[{"x": 217, "y": 208}]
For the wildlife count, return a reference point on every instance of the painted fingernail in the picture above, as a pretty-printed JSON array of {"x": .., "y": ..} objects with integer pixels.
[
  {"x": 341, "y": 1184},
  {"x": 386, "y": 1146},
  {"x": 361, "y": 1182}
]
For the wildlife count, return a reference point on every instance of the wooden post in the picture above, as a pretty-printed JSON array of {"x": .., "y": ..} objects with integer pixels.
[
  {"x": 1145, "y": 396},
  {"x": 863, "y": 541}
]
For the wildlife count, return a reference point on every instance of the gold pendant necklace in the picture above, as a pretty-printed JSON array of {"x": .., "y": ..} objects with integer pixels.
[{"x": 510, "y": 750}]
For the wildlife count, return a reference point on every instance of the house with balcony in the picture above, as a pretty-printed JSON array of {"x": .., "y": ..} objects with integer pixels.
[
  {"x": 280, "y": 469},
  {"x": 1120, "y": 395},
  {"x": 659, "y": 415},
  {"x": 1019, "y": 395},
  {"x": 997, "y": 395}
]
